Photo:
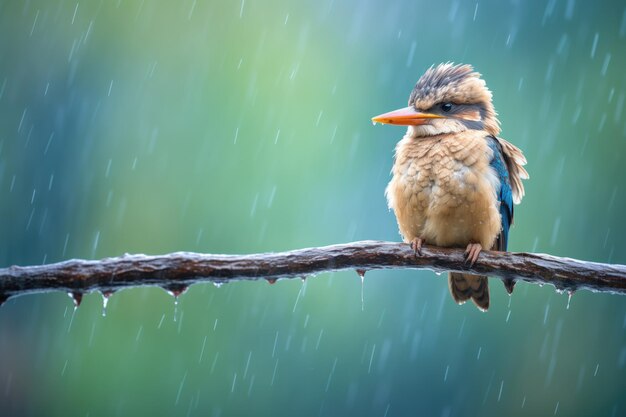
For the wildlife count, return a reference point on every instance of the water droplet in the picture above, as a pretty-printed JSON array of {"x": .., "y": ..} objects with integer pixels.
[
  {"x": 509, "y": 285},
  {"x": 271, "y": 280},
  {"x": 569, "y": 297},
  {"x": 361, "y": 273},
  {"x": 77, "y": 298},
  {"x": 105, "y": 300},
  {"x": 175, "y": 290},
  {"x": 303, "y": 279}
]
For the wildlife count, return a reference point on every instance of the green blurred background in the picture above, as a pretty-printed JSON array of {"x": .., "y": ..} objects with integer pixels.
[{"x": 244, "y": 126}]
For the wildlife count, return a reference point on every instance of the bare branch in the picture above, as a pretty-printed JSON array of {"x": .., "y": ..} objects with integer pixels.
[{"x": 178, "y": 270}]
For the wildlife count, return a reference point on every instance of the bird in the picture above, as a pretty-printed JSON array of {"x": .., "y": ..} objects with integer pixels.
[{"x": 454, "y": 180}]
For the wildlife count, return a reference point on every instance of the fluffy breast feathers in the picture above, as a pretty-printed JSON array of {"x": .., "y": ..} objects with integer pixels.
[{"x": 445, "y": 190}]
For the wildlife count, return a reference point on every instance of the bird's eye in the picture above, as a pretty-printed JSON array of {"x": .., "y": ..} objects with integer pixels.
[{"x": 446, "y": 107}]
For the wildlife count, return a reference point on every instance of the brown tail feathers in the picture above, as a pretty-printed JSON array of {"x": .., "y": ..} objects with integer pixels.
[{"x": 466, "y": 286}]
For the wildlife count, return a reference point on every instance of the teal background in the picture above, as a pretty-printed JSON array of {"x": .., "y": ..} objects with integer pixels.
[{"x": 244, "y": 126}]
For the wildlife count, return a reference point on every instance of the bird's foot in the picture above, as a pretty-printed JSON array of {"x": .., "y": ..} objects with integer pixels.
[
  {"x": 471, "y": 253},
  {"x": 416, "y": 245}
]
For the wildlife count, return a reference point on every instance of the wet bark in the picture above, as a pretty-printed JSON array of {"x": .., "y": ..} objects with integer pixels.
[{"x": 178, "y": 270}]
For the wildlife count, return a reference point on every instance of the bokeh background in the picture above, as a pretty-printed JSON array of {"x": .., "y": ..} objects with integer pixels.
[{"x": 244, "y": 126}]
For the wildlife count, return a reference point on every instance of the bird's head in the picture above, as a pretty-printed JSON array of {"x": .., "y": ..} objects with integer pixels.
[{"x": 448, "y": 98}]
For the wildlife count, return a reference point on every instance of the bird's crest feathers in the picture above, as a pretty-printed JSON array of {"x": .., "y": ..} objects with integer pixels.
[{"x": 458, "y": 84}]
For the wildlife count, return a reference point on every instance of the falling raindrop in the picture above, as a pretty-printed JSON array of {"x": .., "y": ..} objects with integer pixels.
[
  {"x": 77, "y": 298},
  {"x": 276, "y": 367},
  {"x": 319, "y": 339},
  {"x": 605, "y": 64},
  {"x": 300, "y": 294},
  {"x": 275, "y": 343},
  {"x": 202, "y": 351},
  {"x": 232, "y": 388},
  {"x": 276, "y": 138}
]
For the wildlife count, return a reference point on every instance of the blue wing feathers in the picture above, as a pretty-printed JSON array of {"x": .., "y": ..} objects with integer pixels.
[{"x": 504, "y": 194}]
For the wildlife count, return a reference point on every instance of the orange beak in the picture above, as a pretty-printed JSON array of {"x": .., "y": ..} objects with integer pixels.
[{"x": 406, "y": 117}]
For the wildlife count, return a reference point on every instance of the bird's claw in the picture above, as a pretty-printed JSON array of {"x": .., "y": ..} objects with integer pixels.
[
  {"x": 471, "y": 253},
  {"x": 416, "y": 245}
]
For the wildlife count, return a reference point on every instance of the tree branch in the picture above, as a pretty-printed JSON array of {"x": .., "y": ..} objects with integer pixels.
[{"x": 176, "y": 271}]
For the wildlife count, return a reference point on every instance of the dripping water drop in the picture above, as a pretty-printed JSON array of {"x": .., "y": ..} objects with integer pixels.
[
  {"x": 569, "y": 297},
  {"x": 105, "y": 300},
  {"x": 361, "y": 273},
  {"x": 509, "y": 285},
  {"x": 175, "y": 290},
  {"x": 77, "y": 298}
]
